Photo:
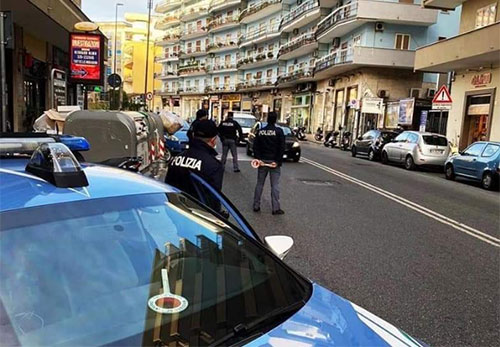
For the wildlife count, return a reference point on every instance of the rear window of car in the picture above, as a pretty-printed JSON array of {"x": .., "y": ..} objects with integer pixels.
[
  {"x": 490, "y": 150},
  {"x": 435, "y": 140},
  {"x": 387, "y": 136}
]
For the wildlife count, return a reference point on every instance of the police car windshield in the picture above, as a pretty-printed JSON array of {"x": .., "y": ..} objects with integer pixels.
[
  {"x": 131, "y": 270},
  {"x": 245, "y": 122}
]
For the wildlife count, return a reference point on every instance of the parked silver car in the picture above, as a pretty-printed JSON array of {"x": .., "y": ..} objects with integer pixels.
[{"x": 413, "y": 149}]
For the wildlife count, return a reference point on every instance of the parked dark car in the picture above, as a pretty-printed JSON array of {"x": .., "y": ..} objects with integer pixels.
[
  {"x": 292, "y": 145},
  {"x": 479, "y": 162},
  {"x": 371, "y": 143}
]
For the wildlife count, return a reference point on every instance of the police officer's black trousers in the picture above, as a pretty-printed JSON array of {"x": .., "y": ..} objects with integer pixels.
[
  {"x": 275, "y": 189},
  {"x": 226, "y": 146}
]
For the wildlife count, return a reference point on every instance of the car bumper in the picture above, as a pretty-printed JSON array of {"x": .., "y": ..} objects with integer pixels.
[
  {"x": 292, "y": 153},
  {"x": 177, "y": 147},
  {"x": 430, "y": 160}
]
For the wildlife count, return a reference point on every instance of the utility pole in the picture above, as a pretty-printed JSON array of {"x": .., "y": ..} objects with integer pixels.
[
  {"x": 114, "y": 44},
  {"x": 150, "y": 5},
  {"x": 3, "y": 80}
]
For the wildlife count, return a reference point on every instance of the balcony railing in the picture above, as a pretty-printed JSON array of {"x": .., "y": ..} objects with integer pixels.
[
  {"x": 221, "y": 45},
  {"x": 221, "y": 21},
  {"x": 299, "y": 11},
  {"x": 340, "y": 15},
  {"x": 221, "y": 66},
  {"x": 298, "y": 42},
  {"x": 165, "y": 57},
  {"x": 165, "y": 74},
  {"x": 223, "y": 87},
  {"x": 195, "y": 10},
  {"x": 257, "y": 57},
  {"x": 340, "y": 56},
  {"x": 295, "y": 75},
  {"x": 258, "y": 33},
  {"x": 254, "y": 8},
  {"x": 256, "y": 83},
  {"x": 190, "y": 69},
  {"x": 216, "y": 4},
  {"x": 192, "y": 51},
  {"x": 167, "y": 21},
  {"x": 195, "y": 30},
  {"x": 165, "y": 5},
  {"x": 171, "y": 37}
]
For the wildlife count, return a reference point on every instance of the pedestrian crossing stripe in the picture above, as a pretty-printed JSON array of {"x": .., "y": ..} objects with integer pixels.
[{"x": 442, "y": 96}]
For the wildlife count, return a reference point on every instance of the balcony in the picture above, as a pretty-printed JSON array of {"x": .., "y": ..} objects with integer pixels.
[
  {"x": 193, "y": 33},
  {"x": 166, "y": 75},
  {"x": 194, "y": 12},
  {"x": 257, "y": 60},
  {"x": 344, "y": 60},
  {"x": 220, "y": 88},
  {"x": 300, "y": 46},
  {"x": 191, "y": 70},
  {"x": 164, "y": 6},
  {"x": 218, "y": 5},
  {"x": 191, "y": 90},
  {"x": 260, "y": 35},
  {"x": 353, "y": 15},
  {"x": 168, "y": 21},
  {"x": 473, "y": 49},
  {"x": 192, "y": 52},
  {"x": 220, "y": 24},
  {"x": 166, "y": 91},
  {"x": 222, "y": 67},
  {"x": 220, "y": 47},
  {"x": 167, "y": 58},
  {"x": 258, "y": 10},
  {"x": 300, "y": 16},
  {"x": 290, "y": 79},
  {"x": 443, "y": 4},
  {"x": 169, "y": 39},
  {"x": 256, "y": 84}
]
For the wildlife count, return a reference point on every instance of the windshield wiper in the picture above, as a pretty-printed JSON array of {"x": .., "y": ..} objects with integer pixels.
[{"x": 242, "y": 329}]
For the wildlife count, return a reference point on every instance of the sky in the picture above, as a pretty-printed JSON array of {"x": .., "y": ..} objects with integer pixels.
[{"x": 104, "y": 10}]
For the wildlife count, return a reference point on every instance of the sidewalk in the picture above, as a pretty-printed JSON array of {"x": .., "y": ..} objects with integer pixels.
[{"x": 310, "y": 139}]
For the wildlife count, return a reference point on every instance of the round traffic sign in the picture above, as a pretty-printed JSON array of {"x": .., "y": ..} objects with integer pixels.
[
  {"x": 149, "y": 96},
  {"x": 114, "y": 80}
]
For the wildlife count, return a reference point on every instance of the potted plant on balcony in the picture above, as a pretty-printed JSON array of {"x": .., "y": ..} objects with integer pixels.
[
  {"x": 250, "y": 59},
  {"x": 270, "y": 54}
]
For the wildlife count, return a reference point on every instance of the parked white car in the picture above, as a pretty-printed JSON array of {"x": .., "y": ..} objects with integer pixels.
[
  {"x": 413, "y": 148},
  {"x": 246, "y": 121}
]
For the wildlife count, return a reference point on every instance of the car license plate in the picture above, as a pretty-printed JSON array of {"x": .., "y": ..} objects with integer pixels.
[{"x": 436, "y": 151}]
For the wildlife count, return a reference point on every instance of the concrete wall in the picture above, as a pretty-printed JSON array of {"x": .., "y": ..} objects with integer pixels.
[
  {"x": 462, "y": 85},
  {"x": 469, "y": 11}
]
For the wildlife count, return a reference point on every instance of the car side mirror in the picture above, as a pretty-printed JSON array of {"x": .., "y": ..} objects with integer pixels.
[{"x": 279, "y": 244}]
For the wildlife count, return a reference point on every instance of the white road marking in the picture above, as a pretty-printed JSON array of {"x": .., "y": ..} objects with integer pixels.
[{"x": 410, "y": 204}]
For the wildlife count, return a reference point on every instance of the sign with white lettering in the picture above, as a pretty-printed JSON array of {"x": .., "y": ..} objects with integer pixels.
[
  {"x": 442, "y": 99},
  {"x": 372, "y": 105},
  {"x": 86, "y": 58}
]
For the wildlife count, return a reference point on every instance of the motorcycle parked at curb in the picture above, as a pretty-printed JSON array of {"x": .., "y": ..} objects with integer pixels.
[
  {"x": 318, "y": 136},
  {"x": 346, "y": 138},
  {"x": 300, "y": 133},
  {"x": 331, "y": 139}
]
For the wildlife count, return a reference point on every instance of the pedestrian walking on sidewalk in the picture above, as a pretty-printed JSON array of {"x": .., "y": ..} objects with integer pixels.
[
  {"x": 230, "y": 132},
  {"x": 269, "y": 147}
]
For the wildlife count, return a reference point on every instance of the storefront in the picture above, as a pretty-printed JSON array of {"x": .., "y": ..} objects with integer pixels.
[{"x": 300, "y": 111}]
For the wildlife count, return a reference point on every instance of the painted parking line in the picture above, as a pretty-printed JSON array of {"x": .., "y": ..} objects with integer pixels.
[{"x": 410, "y": 204}]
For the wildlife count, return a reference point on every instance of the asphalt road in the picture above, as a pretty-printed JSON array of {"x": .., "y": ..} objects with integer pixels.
[{"x": 417, "y": 250}]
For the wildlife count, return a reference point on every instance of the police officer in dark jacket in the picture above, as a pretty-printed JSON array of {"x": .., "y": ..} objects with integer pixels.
[
  {"x": 201, "y": 114},
  {"x": 269, "y": 147},
  {"x": 200, "y": 159},
  {"x": 230, "y": 132}
]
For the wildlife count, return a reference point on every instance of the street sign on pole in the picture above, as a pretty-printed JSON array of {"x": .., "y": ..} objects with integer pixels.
[
  {"x": 149, "y": 96},
  {"x": 114, "y": 80},
  {"x": 442, "y": 99}
]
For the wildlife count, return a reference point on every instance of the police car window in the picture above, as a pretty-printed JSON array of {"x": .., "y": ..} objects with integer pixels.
[{"x": 95, "y": 272}]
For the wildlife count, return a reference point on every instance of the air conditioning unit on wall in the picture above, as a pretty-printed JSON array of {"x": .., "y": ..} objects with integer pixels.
[
  {"x": 379, "y": 26},
  {"x": 431, "y": 92},
  {"x": 382, "y": 93}
]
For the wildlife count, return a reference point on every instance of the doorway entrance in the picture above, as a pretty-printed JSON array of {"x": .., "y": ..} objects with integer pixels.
[{"x": 477, "y": 119}]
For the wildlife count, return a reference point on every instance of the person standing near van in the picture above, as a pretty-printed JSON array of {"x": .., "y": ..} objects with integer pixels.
[
  {"x": 230, "y": 132},
  {"x": 269, "y": 147}
]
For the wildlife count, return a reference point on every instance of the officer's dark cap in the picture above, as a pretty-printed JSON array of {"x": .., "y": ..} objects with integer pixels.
[
  {"x": 205, "y": 129},
  {"x": 201, "y": 113}
]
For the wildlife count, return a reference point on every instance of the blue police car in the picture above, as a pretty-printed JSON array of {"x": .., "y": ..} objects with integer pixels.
[
  {"x": 179, "y": 141},
  {"x": 93, "y": 255}
]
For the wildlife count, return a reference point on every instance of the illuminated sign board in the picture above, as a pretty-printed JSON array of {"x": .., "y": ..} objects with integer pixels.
[{"x": 86, "y": 58}]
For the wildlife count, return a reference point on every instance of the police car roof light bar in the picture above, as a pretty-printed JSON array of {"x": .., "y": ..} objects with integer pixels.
[
  {"x": 74, "y": 143},
  {"x": 13, "y": 146},
  {"x": 55, "y": 163}
]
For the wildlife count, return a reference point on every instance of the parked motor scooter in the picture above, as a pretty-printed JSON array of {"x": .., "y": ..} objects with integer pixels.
[
  {"x": 346, "y": 138},
  {"x": 331, "y": 139},
  {"x": 300, "y": 133},
  {"x": 319, "y": 134}
]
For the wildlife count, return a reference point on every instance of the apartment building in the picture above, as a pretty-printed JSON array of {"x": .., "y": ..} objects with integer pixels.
[
  {"x": 473, "y": 59},
  {"x": 319, "y": 63}
]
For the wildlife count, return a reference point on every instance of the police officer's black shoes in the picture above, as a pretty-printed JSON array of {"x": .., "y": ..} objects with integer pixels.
[
  {"x": 256, "y": 209},
  {"x": 237, "y": 170},
  {"x": 278, "y": 212}
]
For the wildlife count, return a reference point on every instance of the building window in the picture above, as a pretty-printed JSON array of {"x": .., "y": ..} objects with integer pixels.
[
  {"x": 227, "y": 80},
  {"x": 486, "y": 15},
  {"x": 402, "y": 41},
  {"x": 198, "y": 46},
  {"x": 270, "y": 48},
  {"x": 230, "y": 13},
  {"x": 198, "y": 25},
  {"x": 269, "y": 73},
  {"x": 356, "y": 41},
  {"x": 248, "y": 76},
  {"x": 227, "y": 59},
  {"x": 290, "y": 69},
  {"x": 216, "y": 81},
  {"x": 258, "y": 75},
  {"x": 189, "y": 47}
]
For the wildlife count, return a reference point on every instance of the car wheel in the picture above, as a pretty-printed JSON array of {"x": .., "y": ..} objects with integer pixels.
[
  {"x": 409, "y": 163},
  {"x": 353, "y": 151},
  {"x": 488, "y": 181},
  {"x": 385, "y": 159},
  {"x": 296, "y": 159},
  {"x": 371, "y": 155},
  {"x": 449, "y": 173}
]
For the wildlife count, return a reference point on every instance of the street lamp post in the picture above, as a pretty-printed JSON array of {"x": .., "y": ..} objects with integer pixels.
[
  {"x": 114, "y": 44},
  {"x": 150, "y": 5}
]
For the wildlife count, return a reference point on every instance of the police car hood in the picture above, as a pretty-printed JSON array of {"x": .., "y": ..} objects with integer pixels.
[{"x": 328, "y": 319}]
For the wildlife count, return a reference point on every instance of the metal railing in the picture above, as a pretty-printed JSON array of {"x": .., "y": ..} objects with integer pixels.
[
  {"x": 194, "y": 89},
  {"x": 221, "y": 66},
  {"x": 165, "y": 74},
  {"x": 190, "y": 51},
  {"x": 299, "y": 11},
  {"x": 216, "y": 3},
  {"x": 195, "y": 30},
  {"x": 167, "y": 20},
  {"x": 190, "y": 68},
  {"x": 218, "y": 22},
  {"x": 256, "y": 83},
  {"x": 298, "y": 42},
  {"x": 219, "y": 45},
  {"x": 258, "y": 33},
  {"x": 256, "y": 57},
  {"x": 221, "y": 87},
  {"x": 338, "y": 57},
  {"x": 195, "y": 9},
  {"x": 254, "y": 8},
  {"x": 164, "y": 3},
  {"x": 171, "y": 56},
  {"x": 295, "y": 75},
  {"x": 340, "y": 15}
]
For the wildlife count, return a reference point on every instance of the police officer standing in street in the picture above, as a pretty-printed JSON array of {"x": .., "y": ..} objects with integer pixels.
[
  {"x": 200, "y": 159},
  {"x": 230, "y": 132},
  {"x": 269, "y": 147},
  {"x": 201, "y": 114}
]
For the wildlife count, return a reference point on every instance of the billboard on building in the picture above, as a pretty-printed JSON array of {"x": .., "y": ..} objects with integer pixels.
[
  {"x": 406, "y": 107},
  {"x": 86, "y": 58},
  {"x": 392, "y": 115}
]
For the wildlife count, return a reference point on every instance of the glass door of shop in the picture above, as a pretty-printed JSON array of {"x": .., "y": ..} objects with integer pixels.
[{"x": 477, "y": 119}]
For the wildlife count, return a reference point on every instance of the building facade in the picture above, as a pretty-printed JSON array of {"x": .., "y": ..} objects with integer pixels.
[
  {"x": 473, "y": 60},
  {"x": 318, "y": 63}
]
